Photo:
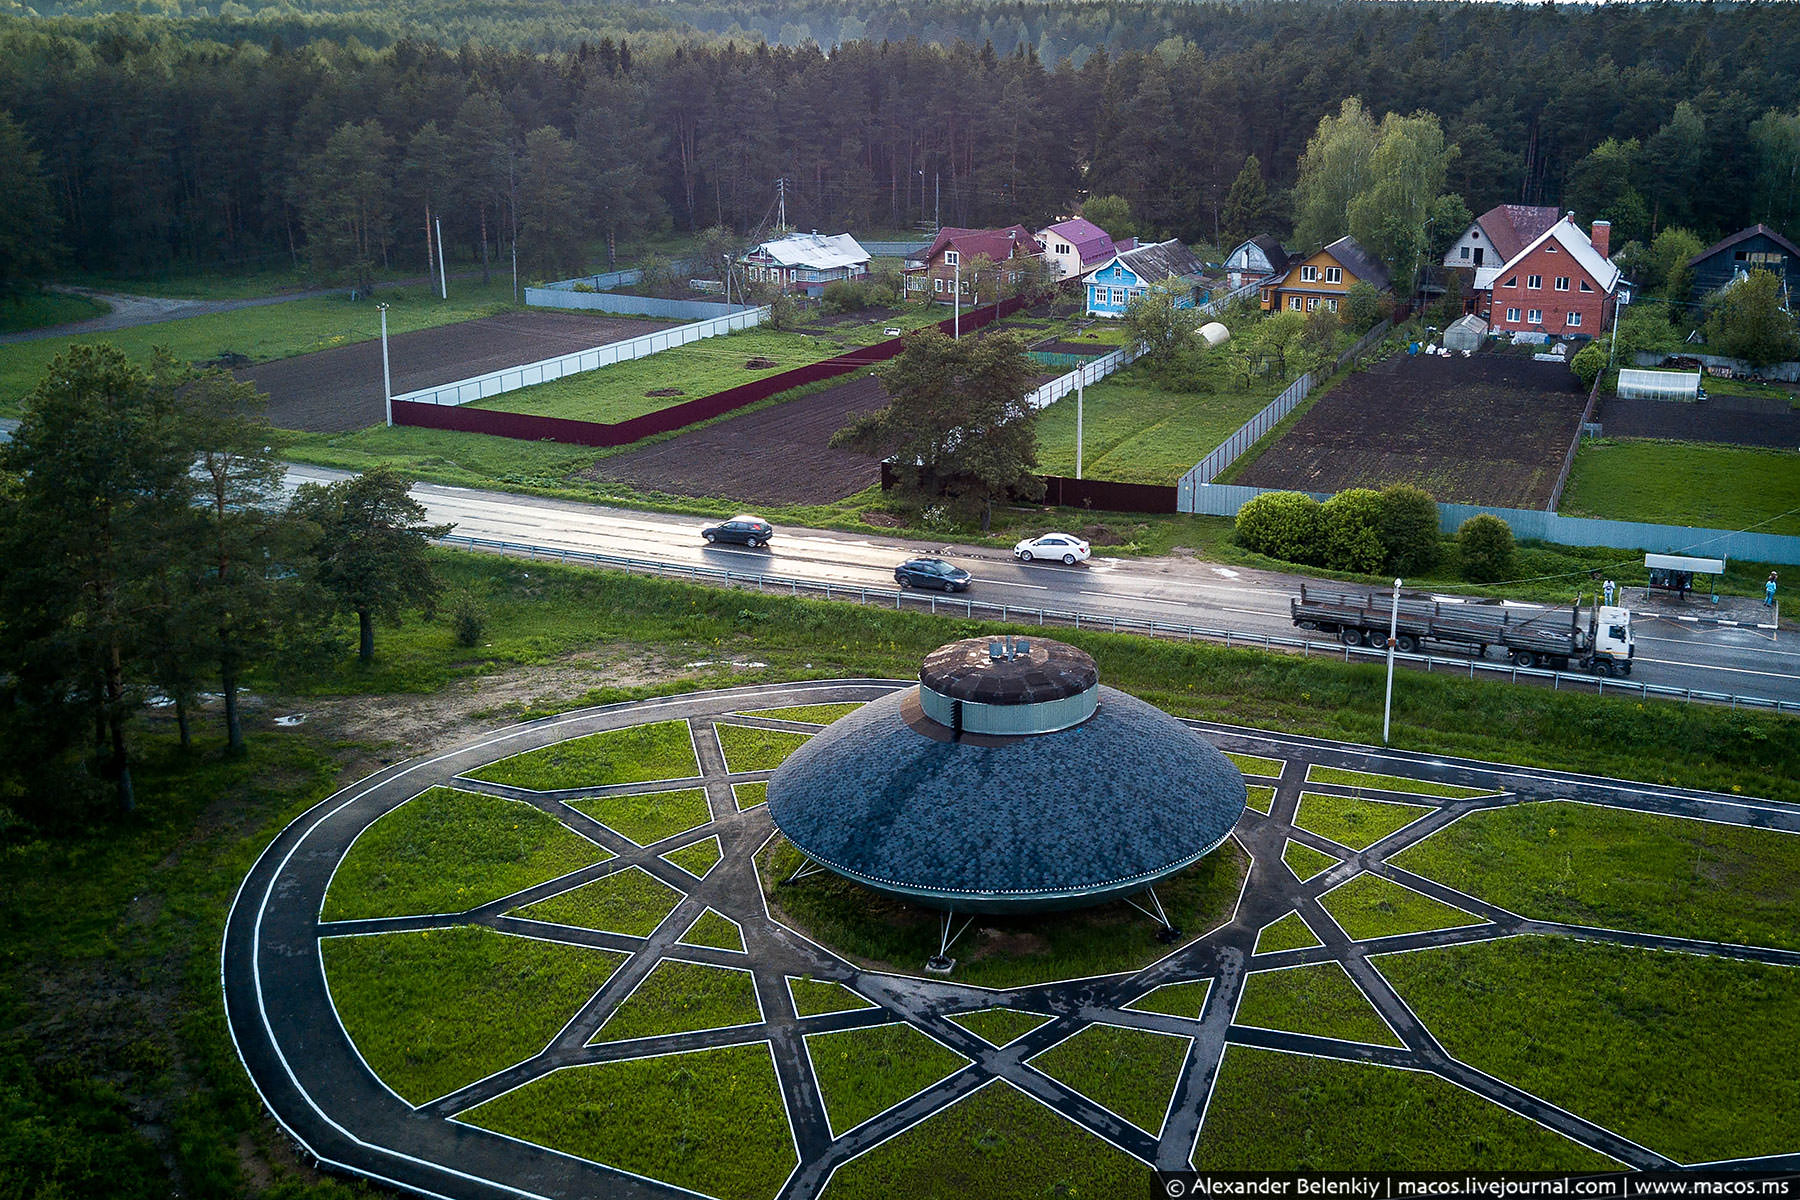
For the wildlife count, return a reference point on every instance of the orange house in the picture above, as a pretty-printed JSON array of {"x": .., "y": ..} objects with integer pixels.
[{"x": 1321, "y": 280}]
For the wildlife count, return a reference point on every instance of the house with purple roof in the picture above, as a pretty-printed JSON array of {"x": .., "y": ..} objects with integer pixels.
[{"x": 1076, "y": 246}]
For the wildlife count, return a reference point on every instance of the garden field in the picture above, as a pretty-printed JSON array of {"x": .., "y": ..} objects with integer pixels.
[
  {"x": 1686, "y": 483},
  {"x": 1484, "y": 430}
]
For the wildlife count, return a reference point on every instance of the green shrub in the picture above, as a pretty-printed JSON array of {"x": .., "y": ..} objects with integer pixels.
[
  {"x": 1284, "y": 525},
  {"x": 1588, "y": 364},
  {"x": 1488, "y": 552},
  {"x": 469, "y": 620},
  {"x": 1352, "y": 531},
  {"x": 1409, "y": 528},
  {"x": 1365, "y": 306},
  {"x": 848, "y": 295}
]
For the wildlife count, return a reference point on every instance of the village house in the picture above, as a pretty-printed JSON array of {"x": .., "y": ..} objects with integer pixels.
[
  {"x": 1255, "y": 260},
  {"x": 1496, "y": 235},
  {"x": 1321, "y": 279},
  {"x": 1560, "y": 284},
  {"x": 1126, "y": 276},
  {"x": 806, "y": 262},
  {"x": 1076, "y": 246},
  {"x": 1757, "y": 248},
  {"x": 950, "y": 260}
]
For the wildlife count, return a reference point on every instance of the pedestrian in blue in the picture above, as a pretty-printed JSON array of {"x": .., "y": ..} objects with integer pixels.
[{"x": 1769, "y": 591}]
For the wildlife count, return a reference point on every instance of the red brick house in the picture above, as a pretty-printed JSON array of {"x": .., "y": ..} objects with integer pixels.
[
  {"x": 953, "y": 253},
  {"x": 1561, "y": 284}
]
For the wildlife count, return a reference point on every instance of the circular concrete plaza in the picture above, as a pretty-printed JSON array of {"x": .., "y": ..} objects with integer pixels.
[{"x": 546, "y": 963}]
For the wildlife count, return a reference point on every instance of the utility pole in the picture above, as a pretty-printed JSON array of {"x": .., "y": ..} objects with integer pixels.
[
  {"x": 1387, "y": 708},
  {"x": 1078, "y": 399},
  {"x": 781, "y": 203},
  {"x": 937, "y": 191},
  {"x": 387, "y": 384},
  {"x": 956, "y": 302},
  {"x": 443, "y": 280}
]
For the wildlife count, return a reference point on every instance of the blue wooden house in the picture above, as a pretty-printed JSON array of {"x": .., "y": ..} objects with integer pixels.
[
  {"x": 1757, "y": 248},
  {"x": 1126, "y": 276}
]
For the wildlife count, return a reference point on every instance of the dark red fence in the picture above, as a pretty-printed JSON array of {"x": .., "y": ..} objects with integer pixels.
[{"x": 622, "y": 433}]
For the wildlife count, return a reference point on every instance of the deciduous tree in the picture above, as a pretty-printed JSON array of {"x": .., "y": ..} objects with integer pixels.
[{"x": 1748, "y": 321}]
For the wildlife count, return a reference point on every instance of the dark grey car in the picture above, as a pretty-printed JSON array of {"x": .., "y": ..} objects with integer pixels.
[
  {"x": 745, "y": 529},
  {"x": 932, "y": 573}
]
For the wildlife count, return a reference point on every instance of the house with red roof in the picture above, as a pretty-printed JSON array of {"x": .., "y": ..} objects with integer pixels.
[
  {"x": 1498, "y": 234},
  {"x": 1076, "y": 246},
  {"x": 950, "y": 260},
  {"x": 1561, "y": 284}
]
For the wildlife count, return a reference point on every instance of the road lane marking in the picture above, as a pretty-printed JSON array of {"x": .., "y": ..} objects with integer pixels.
[{"x": 1694, "y": 666}]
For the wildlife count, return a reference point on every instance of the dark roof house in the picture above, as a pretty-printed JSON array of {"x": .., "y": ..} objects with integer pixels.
[{"x": 1757, "y": 248}]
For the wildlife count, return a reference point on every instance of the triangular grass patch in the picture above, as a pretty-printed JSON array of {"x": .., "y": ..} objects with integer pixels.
[
  {"x": 698, "y": 858},
  {"x": 865, "y": 1072},
  {"x": 1305, "y": 862},
  {"x": 1256, "y": 764},
  {"x": 749, "y": 795},
  {"x": 1353, "y": 822},
  {"x": 1391, "y": 783},
  {"x": 1370, "y": 906},
  {"x": 750, "y": 748},
  {"x": 815, "y": 997},
  {"x": 684, "y": 997},
  {"x": 1289, "y": 933},
  {"x": 633, "y": 902},
  {"x": 640, "y": 754},
  {"x": 1175, "y": 999},
  {"x": 447, "y": 851},
  {"x": 1131, "y": 1072},
  {"x": 1320, "y": 999},
  {"x": 1258, "y": 797},
  {"x": 648, "y": 817},
  {"x": 715, "y": 929},
  {"x": 434, "y": 1010},
  {"x": 999, "y": 1026}
]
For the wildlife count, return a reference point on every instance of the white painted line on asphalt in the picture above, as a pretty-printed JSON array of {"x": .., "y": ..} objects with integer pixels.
[{"x": 1694, "y": 666}]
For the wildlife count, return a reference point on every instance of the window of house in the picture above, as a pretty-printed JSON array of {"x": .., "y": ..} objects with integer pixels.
[
  {"x": 1294, "y": 303},
  {"x": 1562, "y": 283},
  {"x": 1312, "y": 302},
  {"x": 1534, "y": 316},
  {"x": 1334, "y": 274},
  {"x": 1309, "y": 274},
  {"x": 951, "y": 258},
  {"x": 1574, "y": 319},
  {"x": 1465, "y": 252},
  {"x": 1534, "y": 282},
  {"x": 937, "y": 285},
  {"x": 1062, "y": 249},
  {"x": 1331, "y": 303},
  {"x": 1550, "y": 248},
  {"x": 1512, "y": 315},
  {"x": 1118, "y": 297},
  {"x": 1586, "y": 286},
  {"x": 1513, "y": 281}
]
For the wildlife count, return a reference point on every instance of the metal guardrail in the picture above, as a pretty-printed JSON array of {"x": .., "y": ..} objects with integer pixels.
[{"x": 1075, "y": 619}]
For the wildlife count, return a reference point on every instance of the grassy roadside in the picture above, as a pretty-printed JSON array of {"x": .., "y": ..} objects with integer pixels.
[
  {"x": 48, "y": 308},
  {"x": 117, "y": 1076}
]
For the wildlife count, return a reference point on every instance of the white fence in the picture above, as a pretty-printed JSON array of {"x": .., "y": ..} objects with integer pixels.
[
  {"x": 1087, "y": 374},
  {"x": 511, "y": 379}
]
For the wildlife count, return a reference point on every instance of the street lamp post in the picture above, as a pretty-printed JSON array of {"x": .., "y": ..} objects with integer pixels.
[
  {"x": 1387, "y": 709},
  {"x": 956, "y": 302},
  {"x": 1078, "y": 375},
  {"x": 387, "y": 380}
]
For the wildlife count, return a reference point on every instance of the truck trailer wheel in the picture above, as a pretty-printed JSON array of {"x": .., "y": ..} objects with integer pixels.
[
  {"x": 1524, "y": 658},
  {"x": 1349, "y": 636},
  {"x": 1406, "y": 643}
]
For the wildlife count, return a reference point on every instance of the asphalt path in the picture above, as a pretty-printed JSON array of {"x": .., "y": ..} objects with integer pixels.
[{"x": 1740, "y": 661}]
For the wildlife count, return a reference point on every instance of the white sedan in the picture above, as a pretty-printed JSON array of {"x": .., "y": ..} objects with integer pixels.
[{"x": 1063, "y": 546}]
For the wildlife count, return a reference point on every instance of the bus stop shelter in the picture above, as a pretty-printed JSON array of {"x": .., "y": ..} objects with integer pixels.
[{"x": 1673, "y": 574}]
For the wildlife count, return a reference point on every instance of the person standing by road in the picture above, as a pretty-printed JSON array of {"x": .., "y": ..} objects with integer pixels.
[
  {"x": 1769, "y": 591},
  {"x": 1608, "y": 588}
]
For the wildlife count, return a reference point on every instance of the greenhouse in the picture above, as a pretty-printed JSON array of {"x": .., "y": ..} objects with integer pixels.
[{"x": 1659, "y": 385}]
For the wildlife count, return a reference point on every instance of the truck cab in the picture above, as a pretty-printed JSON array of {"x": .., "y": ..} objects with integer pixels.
[{"x": 1613, "y": 644}]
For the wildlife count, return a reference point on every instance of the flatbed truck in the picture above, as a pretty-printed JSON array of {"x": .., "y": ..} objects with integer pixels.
[{"x": 1557, "y": 638}]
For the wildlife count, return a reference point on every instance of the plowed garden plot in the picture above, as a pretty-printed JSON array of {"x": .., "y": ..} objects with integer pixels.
[
  {"x": 335, "y": 391},
  {"x": 1482, "y": 430},
  {"x": 1739, "y": 420},
  {"x": 776, "y": 455}
]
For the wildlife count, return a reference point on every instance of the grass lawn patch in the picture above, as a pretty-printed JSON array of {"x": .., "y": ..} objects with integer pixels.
[
  {"x": 698, "y": 858},
  {"x": 1686, "y": 483},
  {"x": 816, "y": 997},
  {"x": 649, "y": 817},
  {"x": 683, "y": 997},
  {"x": 863, "y": 1072},
  {"x": 633, "y": 902},
  {"x": 436, "y": 1010},
  {"x": 640, "y": 754},
  {"x": 1290, "y": 1112},
  {"x": 1131, "y": 1072},
  {"x": 1135, "y": 430},
  {"x": 45, "y": 309},
  {"x": 750, "y": 795},
  {"x": 1320, "y": 999},
  {"x": 1000, "y": 1026},
  {"x": 999, "y": 951},
  {"x": 1256, "y": 764},
  {"x": 715, "y": 929},
  {"x": 709, "y": 1120},
  {"x": 1351, "y": 822},
  {"x": 1289, "y": 933},
  {"x": 1587, "y": 865},
  {"x": 446, "y": 851},
  {"x": 813, "y": 714},
  {"x": 1304, "y": 861},
  {"x": 1390, "y": 783},
  {"x": 1690, "y": 1056},
  {"x": 1174, "y": 999},
  {"x": 748, "y": 749},
  {"x": 1259, "y": 798},
  {"x": 975, "y": 1148},
  {"x": 1370, "y": 906}
]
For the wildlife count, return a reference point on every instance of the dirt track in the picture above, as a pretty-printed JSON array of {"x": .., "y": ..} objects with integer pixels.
[
  {"x": 777, "y": 455},
  {"x": 334, "y": 391},
  {"x": 1482, "y": 430}
]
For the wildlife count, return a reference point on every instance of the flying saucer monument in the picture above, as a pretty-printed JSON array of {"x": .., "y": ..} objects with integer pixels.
[{"x": 1008, "y": 781}]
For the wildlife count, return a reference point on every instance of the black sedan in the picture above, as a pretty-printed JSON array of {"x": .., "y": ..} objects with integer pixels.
[
  {"x": 751, "y": 531},
  {"x": 932, "y": 573}
]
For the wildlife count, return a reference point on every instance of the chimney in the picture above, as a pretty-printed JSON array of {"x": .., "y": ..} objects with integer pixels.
[{"x": 1602, "y": 238}]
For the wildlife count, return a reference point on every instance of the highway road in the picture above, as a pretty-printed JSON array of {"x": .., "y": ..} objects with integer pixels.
[{"x": 1739, "y": 661}]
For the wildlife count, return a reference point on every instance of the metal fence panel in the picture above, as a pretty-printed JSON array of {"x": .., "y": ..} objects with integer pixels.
[{"x": 636, "y": 306}]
